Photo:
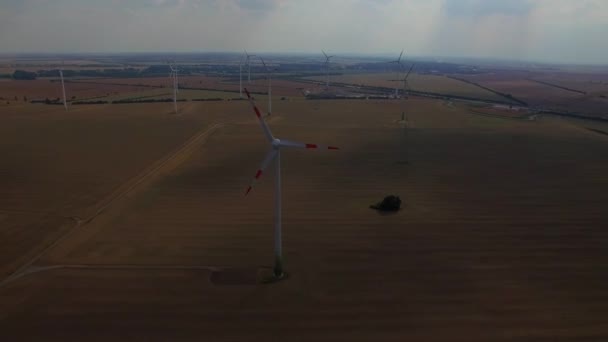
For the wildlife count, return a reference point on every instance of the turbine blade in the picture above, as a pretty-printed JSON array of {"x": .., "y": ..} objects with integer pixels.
[
  {"x": 324, "y": 54},
  {"x": 267, "y": 160},
  {"x": 287, "y": 143},
  {"x": 409, "y": 72},
  {"x": 264, "y": 64},
  {"x": 400, "y": 55},
  {"x": 265, "y": 127}
]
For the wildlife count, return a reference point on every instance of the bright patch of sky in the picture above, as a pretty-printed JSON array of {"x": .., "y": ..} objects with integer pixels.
[{"x": 570, "y": 31}]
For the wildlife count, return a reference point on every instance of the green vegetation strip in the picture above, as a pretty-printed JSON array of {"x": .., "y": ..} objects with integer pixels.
[
  {"x": 525, "y": 118},
  {"x": 557, "y": 86},
  {"x": 505, "y": 95}
]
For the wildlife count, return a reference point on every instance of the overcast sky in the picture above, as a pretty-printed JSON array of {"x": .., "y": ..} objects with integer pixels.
[{"x": 572, "y": 31}]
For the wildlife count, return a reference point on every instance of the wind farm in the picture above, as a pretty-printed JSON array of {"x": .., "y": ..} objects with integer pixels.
[{"x": 128, "y": 209}]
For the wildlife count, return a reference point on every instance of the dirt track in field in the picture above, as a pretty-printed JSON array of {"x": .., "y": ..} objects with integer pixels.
[{"x": 158, "y": 169}]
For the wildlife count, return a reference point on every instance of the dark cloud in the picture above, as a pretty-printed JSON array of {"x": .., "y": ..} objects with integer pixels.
[{"x": 479, "y": 8}]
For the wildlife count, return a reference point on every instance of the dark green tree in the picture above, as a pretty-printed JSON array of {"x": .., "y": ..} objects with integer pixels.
[{"x": 24, "y": 75}]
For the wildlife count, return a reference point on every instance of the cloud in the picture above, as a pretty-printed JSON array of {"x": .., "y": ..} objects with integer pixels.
[
  {"x": 480, "y": 8},
  {"x": 550, "y": 30},
  {"x": 260, "y": 5}
]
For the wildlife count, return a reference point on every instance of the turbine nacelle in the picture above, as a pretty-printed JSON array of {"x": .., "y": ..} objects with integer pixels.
[{"x": 276, "y": 143}]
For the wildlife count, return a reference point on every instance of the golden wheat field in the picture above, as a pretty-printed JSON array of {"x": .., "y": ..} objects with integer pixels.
[{"x": 134, "y": 224}]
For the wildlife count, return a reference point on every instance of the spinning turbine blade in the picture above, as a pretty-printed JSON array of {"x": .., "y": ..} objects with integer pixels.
[
  {"x": 264, "y": 64},
  {"x": 287, "y": 143},
  {"x": 269, "y": 158},
  {"x": 265, "y": 127},
  {"x": 408, "y": 73},
  {"x": 406, "y": 77}
]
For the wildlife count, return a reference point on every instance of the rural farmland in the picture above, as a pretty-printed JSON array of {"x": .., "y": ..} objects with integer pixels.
[
  {"x": 172, "y": 228},
  {"x": 303, "y": 171}
]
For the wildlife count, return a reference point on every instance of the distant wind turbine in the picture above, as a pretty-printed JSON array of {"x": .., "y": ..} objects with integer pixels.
[
  {"x": 65, "y": 101},
  {"x": 400, "y": 68},
  {"x": 173, "y": 76},
  {"x": 241, "y": 75},
  {"x": 269, "y": 76},
  {"x": 327, "y": 61},
  {"x": 249, "y": 66},
  {"x": 404, "y": 120},
  {"x": 405, "y": 84},
  {"x": 275, "y": 155}
]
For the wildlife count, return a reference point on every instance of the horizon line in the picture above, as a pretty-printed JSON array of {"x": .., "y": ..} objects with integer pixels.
[{"x": 436, "y": 58}]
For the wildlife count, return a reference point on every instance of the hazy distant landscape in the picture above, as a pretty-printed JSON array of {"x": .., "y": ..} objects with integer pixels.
[{"x": 558, "y": 89}]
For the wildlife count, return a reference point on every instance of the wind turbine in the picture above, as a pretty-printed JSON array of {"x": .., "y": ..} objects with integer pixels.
[
  {"x": 327, "y": 61},
  {"x": 176, "y": 78},
  {"x": 269, "y": 76},
  {"x": 405, "y": 79},
  {"x": 241, "y": 76},
  {"x": 275, "y": 155},
  {"x": 404, "y": 121},
  {"x": 173, "y": 76},
  {"x": 248, "y": 66},
  {"x": 65, "y": 102},
  {"x": 400, "y": 67}
]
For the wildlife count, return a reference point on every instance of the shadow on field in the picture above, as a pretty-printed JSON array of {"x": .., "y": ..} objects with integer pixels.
[
  {"x": 245, "y": 276},
  {"x": 236, "y": 276}
]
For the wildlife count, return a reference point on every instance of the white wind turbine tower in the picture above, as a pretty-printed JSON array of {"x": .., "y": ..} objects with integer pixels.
[
  {"x": 400, "y": 67},
  {"x": 65, "y": 102},
  {"x": 241, "y": 76},
  {"x": 327, "y": 61},
  {"x": 275, "y": 155},
  {"x": 248, "y": 66},
  {"x": 176, "y": 78},
  {"x": 269, "y": 76},
  {"x": 404, "y": 120},
  {"x": 173, "y": 76}
]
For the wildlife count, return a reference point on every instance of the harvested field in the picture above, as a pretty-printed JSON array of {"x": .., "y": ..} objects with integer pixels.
[
  {"x": 259, "y": 83},
  {"x": 596, "y": 82},
  {"x": 58, "y": 167},
  {"x": 501, "y": 237},
  {"x": 536, "y": 94},
  {"x": 45, "y": 88}
]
